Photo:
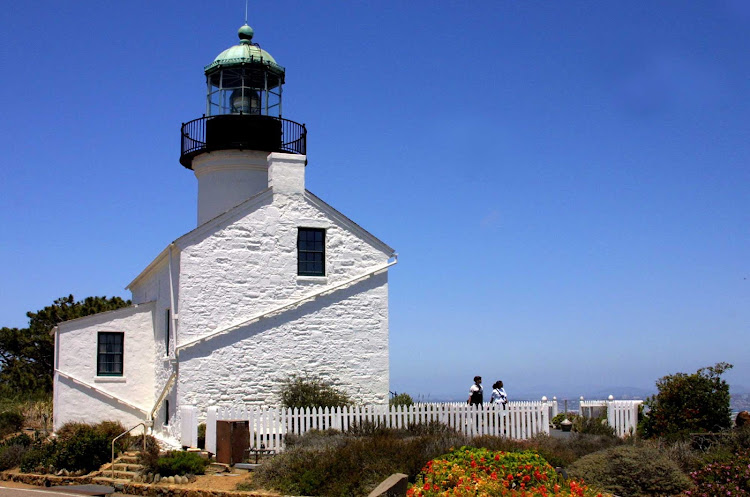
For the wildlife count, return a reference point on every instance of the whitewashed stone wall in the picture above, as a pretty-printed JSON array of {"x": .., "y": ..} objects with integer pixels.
[
  {"x": 154, "y": 285},
  {"x": 78, "y": 359},
  {"x": 250, "y": 265},
  {"x": 247, "y": 263},
  {"x": 226, "y": 178},
  {"x": 342, "y": 338}
]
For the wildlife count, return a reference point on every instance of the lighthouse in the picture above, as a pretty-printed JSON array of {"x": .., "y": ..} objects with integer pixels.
[
  {"x": 273, "y": 282},
  {"x": 228, "y": 147}
]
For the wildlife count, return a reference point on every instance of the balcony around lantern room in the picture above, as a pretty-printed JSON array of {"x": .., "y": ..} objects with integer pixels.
[{"x": 241, "y": 132}]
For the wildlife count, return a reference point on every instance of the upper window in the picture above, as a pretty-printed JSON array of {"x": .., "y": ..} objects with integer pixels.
[
  {"x": 167, "y": 329},
  {"x": 109, "y": 357},
  {"x": 311, "y": 252}
]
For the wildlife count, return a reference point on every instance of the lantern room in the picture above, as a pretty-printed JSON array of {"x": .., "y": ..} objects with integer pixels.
[
  {"x": 244, "y": 79},
  {"x": 243, "y": 106}
]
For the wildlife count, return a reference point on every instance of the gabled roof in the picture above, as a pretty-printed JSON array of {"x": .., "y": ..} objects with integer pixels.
[
  {"x": 121, "y": 310},
  {"x": 249, "y": 206}
]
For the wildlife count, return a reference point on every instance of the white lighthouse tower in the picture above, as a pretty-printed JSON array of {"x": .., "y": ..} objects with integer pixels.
[
  {"x": 273, "y": 282},
  {"x": 228, "y": 148}
]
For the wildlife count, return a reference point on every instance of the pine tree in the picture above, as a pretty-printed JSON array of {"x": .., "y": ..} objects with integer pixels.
[{"x": 26, "y": 354}]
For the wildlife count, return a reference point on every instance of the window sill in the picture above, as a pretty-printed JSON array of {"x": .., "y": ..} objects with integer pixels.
[
  {"x": 110, "y": 379},
  {"x": 312, "y": 279}
]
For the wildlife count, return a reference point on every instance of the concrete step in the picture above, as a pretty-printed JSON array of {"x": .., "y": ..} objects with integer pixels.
[
  {"x": 122, "y": 475},
  {"x": 120, "y": 466}
]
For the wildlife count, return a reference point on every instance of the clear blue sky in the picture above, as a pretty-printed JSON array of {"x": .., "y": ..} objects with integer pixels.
[{"x": 567, "y": 183}]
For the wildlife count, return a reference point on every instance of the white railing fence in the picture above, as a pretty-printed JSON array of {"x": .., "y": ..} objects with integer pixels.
[
  {"x": 268, "y": 426},
  {"x": 622, "y": 415},
  {"x": 518, "y": 420}
]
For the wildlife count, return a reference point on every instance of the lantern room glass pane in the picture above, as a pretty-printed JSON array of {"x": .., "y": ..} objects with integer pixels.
[{"x": 244, "y": 90}]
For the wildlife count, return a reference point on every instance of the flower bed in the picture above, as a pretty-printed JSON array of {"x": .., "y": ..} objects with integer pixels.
[
  {"x": 470, "y": 471},
  {"x": 730, "y": 478}
]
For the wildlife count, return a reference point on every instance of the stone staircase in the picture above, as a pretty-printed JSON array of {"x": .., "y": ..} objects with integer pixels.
[{"x": 126, "y": 467}]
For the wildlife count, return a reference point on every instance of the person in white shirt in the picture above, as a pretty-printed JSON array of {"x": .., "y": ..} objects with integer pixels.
[
  {"x": 498, "y": 394},
  {"x": 476, "y": 394}
]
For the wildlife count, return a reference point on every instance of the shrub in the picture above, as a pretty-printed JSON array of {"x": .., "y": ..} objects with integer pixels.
[
  {"x": 679, "y": 452},
  {"x": 11, "y": 455},
  {"x": 593, "y": 426},
  {"x": 560, "y": 417},
  {"x": 557, "y": 451},
  {"x": 79, "y": 447},
  {"x": 470, "y": 471},
  {"x": 731, "y": 477},
  {"x": 10, "y": 422},
  {"x": 202, "y": 436},
  {"x": 83, "y": 449},
  {"x": 180, "y": 462},
  {"x": 689, "y": 404},
  {"x": 21, "y": 439},
  {"x": 309, "y": 391},
  {"x": 359, "y": 462},
  {"x": 401, "y": 399},
  {"x": 40, "y": 457},
  {"x": 150, "y": 456},
  {"x": 631, "y": 471}
]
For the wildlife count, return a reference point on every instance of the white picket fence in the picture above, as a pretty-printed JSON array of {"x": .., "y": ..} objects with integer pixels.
[
  {"x": 622, "y": 415},
  {"x": 268, "y": 426},
  {"x": 517, "y": 420}
]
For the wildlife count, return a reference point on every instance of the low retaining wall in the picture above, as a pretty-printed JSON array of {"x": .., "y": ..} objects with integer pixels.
[{"x": 158, "y": 489}]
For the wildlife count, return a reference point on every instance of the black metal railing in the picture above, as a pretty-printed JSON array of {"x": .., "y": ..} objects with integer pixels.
[{"x": 244, "y": 132}]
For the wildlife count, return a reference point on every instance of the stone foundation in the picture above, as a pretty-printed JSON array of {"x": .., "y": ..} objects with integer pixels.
[{"x": 158, "y": 489}]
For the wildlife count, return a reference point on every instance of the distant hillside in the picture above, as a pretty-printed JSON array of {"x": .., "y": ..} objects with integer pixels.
[{"x": 740, "y": 402}]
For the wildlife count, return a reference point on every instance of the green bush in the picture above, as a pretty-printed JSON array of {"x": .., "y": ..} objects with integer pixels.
[
  {"x": 401, "y": 399},
  {"x": 180, "y": 462},
  {"x": 150, "y": 456},
  {"x": 308, "y": 391},
  {"x": 560, "y": 417},
  {"x": 593, "y": 426},
  {"x": 79, "y": 447},
  {"x": 11, "y": 455},
  {"x": 40, "y": 457},
  {"x": 10, "y": 422},
  {"x": 202, "y": 436},
  {"x": 559, "y": 452},
  {"x": 631, "y": 471},
  {"x": 21, "y": 439},
  {"x": 685, "y": 404},
  {"x": 334, "y": 463}
]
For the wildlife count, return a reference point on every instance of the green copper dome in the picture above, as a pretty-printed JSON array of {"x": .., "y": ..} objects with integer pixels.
[{"x": 244, "y": 54}]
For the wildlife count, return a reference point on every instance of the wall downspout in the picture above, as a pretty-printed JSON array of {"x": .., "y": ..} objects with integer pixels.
[{"x": 173, "y": 340}]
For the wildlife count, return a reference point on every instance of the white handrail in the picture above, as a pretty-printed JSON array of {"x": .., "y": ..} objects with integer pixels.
[
  {"x": 285, "y": 307},
  {"x": 164, "y": 391},
  {"x": 122, "y": 435}
]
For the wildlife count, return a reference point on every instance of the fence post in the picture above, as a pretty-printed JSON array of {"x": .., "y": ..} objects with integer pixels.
[
  {"x": 611, "y": 415},
  {"x": 555, "y": 407},
  {"x": 189, "y": 423},
  {"x": 545, "y": 415},
  {"x": 213, "y": 414}
]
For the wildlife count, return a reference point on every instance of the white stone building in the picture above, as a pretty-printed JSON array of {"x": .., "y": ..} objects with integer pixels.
[{"x": 272, "y": 282}]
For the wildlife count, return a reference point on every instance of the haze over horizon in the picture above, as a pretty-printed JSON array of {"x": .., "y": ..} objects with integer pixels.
[{"x": 566, "y": 183}]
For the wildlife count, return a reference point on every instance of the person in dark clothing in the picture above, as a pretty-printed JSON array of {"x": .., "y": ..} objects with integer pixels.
[{"x": 476, "y": 394}]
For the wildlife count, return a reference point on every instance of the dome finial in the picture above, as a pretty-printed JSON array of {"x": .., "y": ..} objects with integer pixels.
[{"x": 245, "y": 33}]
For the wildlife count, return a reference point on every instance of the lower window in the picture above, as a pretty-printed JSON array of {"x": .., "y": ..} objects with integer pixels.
[{"x": 109, "y": 356}]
